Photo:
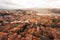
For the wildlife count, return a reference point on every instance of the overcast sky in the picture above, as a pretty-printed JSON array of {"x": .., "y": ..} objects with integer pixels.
[{"x": 14, "y": 4}]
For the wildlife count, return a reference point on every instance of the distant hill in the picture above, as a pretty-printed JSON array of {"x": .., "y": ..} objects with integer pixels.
[{"x": 34, "y": 11}]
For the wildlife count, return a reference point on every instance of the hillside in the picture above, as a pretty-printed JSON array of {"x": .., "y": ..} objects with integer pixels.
[{"x": 30, "y": 24}]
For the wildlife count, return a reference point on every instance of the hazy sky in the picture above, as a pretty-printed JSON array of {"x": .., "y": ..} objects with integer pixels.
[{"x": 4, "y": 4}]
